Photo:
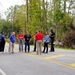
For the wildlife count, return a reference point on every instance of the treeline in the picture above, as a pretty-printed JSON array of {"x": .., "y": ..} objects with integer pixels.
[{"x": 41, "y": 15}]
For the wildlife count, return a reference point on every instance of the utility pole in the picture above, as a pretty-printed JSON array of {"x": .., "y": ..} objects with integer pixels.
[
  {"x": 13, "y": 16},
  {"x": 65, "y": 6},
  {"x": 12, "y": 19},
  {"x": 26, "y": 15}
]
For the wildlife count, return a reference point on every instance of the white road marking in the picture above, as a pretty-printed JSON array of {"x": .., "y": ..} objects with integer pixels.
[{"x": 2, "y": 72}]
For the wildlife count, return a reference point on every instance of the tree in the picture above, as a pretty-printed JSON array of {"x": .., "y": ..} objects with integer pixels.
[
  {"x": 42, "y": 15},
  {"x": 16, "y": 15},
  {"x": 26, "y": 14}
]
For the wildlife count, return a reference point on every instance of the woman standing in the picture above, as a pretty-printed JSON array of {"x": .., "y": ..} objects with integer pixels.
[{"x": 46, "y": 41}]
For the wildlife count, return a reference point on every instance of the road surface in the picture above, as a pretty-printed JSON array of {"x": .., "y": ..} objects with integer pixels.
[{"x": 60, "y": 62}]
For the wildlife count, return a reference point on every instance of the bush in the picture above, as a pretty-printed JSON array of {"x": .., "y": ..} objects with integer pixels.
[{"x": 69, "y": 39}]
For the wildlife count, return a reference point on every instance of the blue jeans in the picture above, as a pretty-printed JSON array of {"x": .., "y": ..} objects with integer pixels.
[
  {"x": 27, "y": 44},
  {"x": 20, "y": 44}
]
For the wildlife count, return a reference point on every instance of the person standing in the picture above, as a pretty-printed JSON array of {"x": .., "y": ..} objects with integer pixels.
[
  {"x": 46, "y": 41},
  {"x": 34, "y": 44},
  {"x": 27, "y": 38},
  {"x": 3, "y": 37},
  {"x": 39, "y": 40},
  {"x": 1, "y": 43},
  {"x": 20, "y": 40},
  {"x": 12, "y": 40},
  {"x": 52, "y": 37}
]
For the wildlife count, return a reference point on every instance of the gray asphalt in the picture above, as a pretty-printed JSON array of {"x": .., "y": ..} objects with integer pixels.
[{"x": 60, "y": 62}]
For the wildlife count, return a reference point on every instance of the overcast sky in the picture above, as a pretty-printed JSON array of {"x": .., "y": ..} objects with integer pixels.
[{"x": 4, "y": 4}]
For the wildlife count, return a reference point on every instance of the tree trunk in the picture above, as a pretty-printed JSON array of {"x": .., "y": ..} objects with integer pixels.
[
  {"x": 45, "y": 14},
  {"x": 26, "y": 14},
  {"x": 64, "y": 6}
]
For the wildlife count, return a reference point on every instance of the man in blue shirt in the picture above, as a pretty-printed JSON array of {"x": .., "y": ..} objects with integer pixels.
[
  {"x": 46, "y": 41},
  {"x": 12, "y": 41}
]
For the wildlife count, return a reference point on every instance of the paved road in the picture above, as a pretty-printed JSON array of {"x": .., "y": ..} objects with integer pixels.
[{"x": 61, "y": 62}]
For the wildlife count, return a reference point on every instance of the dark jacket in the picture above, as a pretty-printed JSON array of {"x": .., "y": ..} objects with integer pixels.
[{"x": 2, "y": 42}]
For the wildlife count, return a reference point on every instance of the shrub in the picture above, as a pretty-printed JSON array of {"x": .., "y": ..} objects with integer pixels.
[{"x": 69, "y": 39}]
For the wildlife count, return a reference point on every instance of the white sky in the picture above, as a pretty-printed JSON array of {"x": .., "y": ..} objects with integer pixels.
[
  {"x": 7, "y": 3},
  {"x": 4, "y": 4}
]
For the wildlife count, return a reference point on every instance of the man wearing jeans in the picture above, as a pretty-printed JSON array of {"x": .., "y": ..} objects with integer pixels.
[
  {"x": 39, "y": 39},
  {"x": 27, "y": 38},
  {"x": 20, "y": 40},
  {"x": 12, "y": 41}
]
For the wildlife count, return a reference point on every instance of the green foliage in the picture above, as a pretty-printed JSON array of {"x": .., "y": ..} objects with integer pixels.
[
  {"x": 5, "y": 26},
  {"x": 41, "y": 16},
  {"x": 69, "y": 39},
  {"x": 16, "y": 15}
]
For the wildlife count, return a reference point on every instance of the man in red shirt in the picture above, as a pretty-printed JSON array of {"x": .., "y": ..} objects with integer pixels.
[
  {"x": 39, "y": 38},
  {"x": 20, "y": 40}
]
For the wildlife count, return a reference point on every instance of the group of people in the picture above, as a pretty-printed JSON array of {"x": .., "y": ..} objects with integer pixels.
[
  {"x": 39, "y": 39},
  {"x": 24, "y": 39},
  {"x": 12, "y": 40}
]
